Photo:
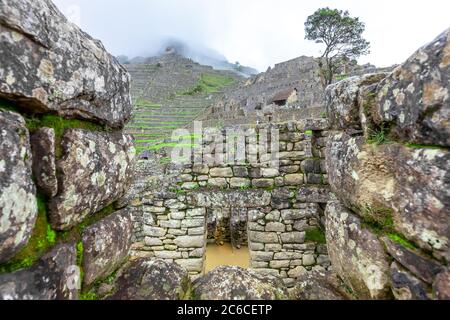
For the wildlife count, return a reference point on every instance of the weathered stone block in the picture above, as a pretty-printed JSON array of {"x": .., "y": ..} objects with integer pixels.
[
  {"x": 293, "y": 237},
  {"x": 44, "y": 164},
  {"x": 103, "y": 165},
  {"x": 57, "y": 67},
  {"x": 221, "y": 172},
  {"x": 18, "y": 206},
  {"x": 54, "y": 277},
  {"x": 218, "y": 183},
  {"x": 262, "y": 183},
  {"x": 342, "y": 101},
  {"x": 406, "y": 183},
  {"x": 143, "y": 279},
  {"x": 356, "y": 254},
  {"x": 415, "y": 99},
  {"x": 190, "y": 241},
  {"x": 278, "y": 264},
  {"x": 191, "y": 265},
  {"x": 173, "y": 224},
  {"x": 239, "y": 182},
  {"x": 293, "y": 179},
  {"x": 193, "y": 223},
  {"x": 261, "y": 256},
  {"x": 154, "y": 231},
  {"x": 263, "y": 237},
  {"x": 275, "y": 227},
  {"x": 106, "y": 245},
  {"x": 168, "y": 254}
]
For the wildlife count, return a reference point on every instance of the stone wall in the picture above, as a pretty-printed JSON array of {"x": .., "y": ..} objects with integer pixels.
[
  {"x": 387, "y": 160},
  {"x": 276, "y": 211},
  {"x": 64, "y": 161}
]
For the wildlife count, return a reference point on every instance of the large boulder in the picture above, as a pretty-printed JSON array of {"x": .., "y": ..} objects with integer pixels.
[
  {"x": 319, "y": 285},
  {"x": 235, "y": 283},
  {"x": 343, "y": 103},
  {"x": 152, "y": 280},
  {"x": 103, "y": 166},
  {"x": 106, "y": 244},
  {"x": 49, "y": 64},
  {"x": 415, "y": 99},
  {"x": 18, "y": 207},
  {"x": 406, "y": 184},
  {"x": 54, "y": 277},
  {"x": 356, "y": 254}
]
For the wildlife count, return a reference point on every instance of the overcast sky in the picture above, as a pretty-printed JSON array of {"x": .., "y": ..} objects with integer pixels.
[{"x": 257, "y": 33}]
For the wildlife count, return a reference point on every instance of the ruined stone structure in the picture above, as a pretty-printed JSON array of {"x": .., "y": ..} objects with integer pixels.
[
  {"x": 356, "y": 206},
  {"x": 272, "y": 210}
]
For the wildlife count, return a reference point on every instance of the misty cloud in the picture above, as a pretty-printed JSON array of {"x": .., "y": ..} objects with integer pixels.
[{"x": 258, "y": 33}]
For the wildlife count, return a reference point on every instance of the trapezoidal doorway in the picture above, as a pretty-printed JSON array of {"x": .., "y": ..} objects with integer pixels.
[{"x": 227, "y": 243}]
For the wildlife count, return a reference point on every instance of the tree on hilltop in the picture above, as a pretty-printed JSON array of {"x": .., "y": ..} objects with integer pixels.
[{"x": 342, "y": 36}]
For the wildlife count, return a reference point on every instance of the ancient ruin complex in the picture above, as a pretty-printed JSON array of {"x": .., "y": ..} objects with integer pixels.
[{"x": 340, "y": 193}]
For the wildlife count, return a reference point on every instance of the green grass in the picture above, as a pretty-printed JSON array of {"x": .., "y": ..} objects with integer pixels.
[
  {"x": 209, "y": 83},
  {"x": 378, "y": 136}
]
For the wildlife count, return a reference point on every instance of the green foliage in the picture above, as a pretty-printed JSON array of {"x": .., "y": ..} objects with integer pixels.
[
  {"x": 379, "y": 219},
  {"x": 323, "y": 115},
  {"x": 378, "y": 136},
  {"x": 315, "y": 235},
  {"x": 341, "y": 35},
  {"x": 90, "y": 295},
  {"x": 309, "y": 132}
]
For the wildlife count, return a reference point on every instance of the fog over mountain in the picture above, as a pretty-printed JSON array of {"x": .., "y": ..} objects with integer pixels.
[{"x": 257, "y": 33}]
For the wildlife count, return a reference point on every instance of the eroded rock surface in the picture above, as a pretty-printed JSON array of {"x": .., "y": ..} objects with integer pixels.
[
  {"x": 54, "y": 277},
  {"x": 415, "y": 99},
  {"x": 44, "y": 164},
  {"x": 49, "y": 64},
  {"x": 102, "y": 164},
  {"x": 319, "y": 285},
  {"x": 18, "y": 207},
  {"x": 152, "y": 280},
  {"x": 409, "y": 184},
  {"x": 356, "y": 254},
  {"x": 234, "y": 283},
  {"x": 106, "y": 244}
]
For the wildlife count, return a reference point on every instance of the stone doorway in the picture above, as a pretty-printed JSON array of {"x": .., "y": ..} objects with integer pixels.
[{"x": 227, "y": 240}]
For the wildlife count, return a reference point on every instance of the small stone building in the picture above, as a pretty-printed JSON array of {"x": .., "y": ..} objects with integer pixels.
[{"x": 285, "y": 97}]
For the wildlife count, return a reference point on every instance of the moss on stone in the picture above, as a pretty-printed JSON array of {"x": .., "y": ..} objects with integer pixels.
[
  {"x": 315, "y": 235},
  {"x": 401, "y": 240},
  {"x": 60, "y": 125},
  {"x": 43, "y": 237}
]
